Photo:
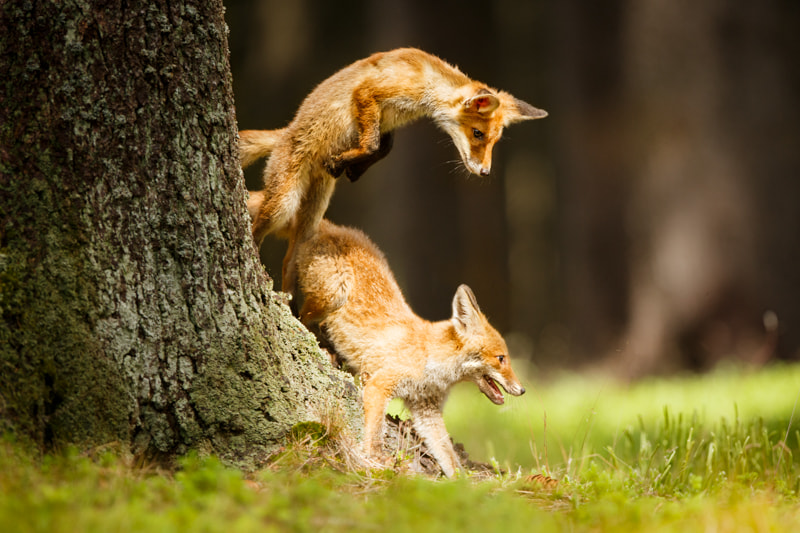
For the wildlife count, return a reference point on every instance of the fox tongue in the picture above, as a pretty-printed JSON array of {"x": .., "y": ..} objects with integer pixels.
[{"x": 491, "y": 390}]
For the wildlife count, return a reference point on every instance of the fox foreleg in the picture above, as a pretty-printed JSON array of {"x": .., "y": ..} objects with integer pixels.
[
  {"x": 377, "y": 393},
  {"x": 360, "y": 165},
  {"x": 356, "y": 165},
  {"x": 371, "y": 146},
  {"x": 428, "y": 421}
]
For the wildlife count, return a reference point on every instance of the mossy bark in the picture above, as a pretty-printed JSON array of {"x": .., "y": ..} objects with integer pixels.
[{"x": 134, "y": 308}]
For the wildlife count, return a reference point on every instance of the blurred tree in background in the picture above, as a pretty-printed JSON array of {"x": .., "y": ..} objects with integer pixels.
[{"x": 650, "y": 221}]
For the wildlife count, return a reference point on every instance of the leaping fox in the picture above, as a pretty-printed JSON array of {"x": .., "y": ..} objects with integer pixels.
[
  {"x": 346, "y": 124},
  {"x": 349, "y": 292}
]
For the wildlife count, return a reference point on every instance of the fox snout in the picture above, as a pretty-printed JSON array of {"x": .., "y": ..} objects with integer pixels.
[
  {"x": 517, "y": 389},
  {"x": 480, "y": 168},
  {"x": 490, "y": 385},
  {"x": 477, "y": 160},
  {"x": 477, "y": 155},
  {"x": 513, "y": 386}
]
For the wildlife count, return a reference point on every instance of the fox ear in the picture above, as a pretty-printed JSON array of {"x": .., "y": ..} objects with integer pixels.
[
  {"x": 520, "y": 111},
  {"x": 466, "y": 313},
  {"x": 483, "y": 102}
]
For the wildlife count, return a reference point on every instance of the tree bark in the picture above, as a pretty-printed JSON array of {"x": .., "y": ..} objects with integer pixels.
[{"x": 134, "y": 307}]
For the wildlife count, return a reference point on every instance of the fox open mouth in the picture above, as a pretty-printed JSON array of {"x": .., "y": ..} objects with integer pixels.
[{"x": 489, "y": 387}]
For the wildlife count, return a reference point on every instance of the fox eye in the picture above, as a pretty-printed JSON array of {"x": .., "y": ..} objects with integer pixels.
[
  {"x": 501, "y": 359},
  {"x": 478, "y": 134}
]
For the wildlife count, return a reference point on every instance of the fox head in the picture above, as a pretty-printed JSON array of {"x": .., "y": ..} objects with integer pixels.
[
  {"x": 485, "y": 354},
  {"x": 476, "y": 120}
]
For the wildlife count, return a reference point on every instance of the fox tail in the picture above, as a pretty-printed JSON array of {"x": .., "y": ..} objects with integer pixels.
[{"x": 256, "y": 144}]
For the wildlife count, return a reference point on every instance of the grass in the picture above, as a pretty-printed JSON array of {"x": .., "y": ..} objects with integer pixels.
[
  {"x": 696, "y": 453},
  {"x": 572, "y": 417}
]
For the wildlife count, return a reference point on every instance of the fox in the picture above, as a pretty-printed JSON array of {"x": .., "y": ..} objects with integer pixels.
[
  {"x": 346, "y": 124},
  {"x": 351, "y": 297}
]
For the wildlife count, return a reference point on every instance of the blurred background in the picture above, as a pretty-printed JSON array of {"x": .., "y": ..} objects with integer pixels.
[{"x": 649, "y": 224}]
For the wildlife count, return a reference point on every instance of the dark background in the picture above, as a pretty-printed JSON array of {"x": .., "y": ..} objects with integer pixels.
[{"x": 650, "y": 223}]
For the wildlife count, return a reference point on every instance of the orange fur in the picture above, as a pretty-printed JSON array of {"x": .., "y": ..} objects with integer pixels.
[
  {"x": 340, "y": 127},
  {"x": 349, "y": 292}
]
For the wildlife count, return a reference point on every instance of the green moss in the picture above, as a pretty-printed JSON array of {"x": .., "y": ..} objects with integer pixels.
[
  {"x": 49, "y": 391},
  {"x": 251, "y": 403},
  {"x": 314, "y": 431}
]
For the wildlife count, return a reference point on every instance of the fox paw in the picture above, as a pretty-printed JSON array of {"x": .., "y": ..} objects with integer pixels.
[{"x": 334, "y": 167}]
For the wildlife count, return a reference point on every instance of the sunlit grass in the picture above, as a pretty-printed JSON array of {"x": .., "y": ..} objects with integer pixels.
[
  {"x": 572, "y": 416},
  {"x": 696, "y": 453}
]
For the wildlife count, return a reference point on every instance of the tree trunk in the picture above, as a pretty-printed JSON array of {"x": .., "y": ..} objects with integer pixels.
[{"x": 134, "y": 308}]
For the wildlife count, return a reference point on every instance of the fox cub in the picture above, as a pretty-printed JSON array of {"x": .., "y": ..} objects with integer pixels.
[
  {"x": 349, "y": 292},
  {"x": 345, "y": 125}
]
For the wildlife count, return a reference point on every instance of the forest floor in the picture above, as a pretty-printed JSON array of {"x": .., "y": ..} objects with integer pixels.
[{"x": 716, "y": 452}]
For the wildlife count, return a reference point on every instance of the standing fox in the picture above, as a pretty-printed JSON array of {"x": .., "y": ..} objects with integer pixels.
[
  {"x": 345, "y": 125},
  {"x": 350, "y": 293}
]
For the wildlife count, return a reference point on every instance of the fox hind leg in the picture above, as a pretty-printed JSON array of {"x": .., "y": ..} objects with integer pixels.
[
  {"x": 309, "y": 213},
  {"x": 274, "y": 209}
]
